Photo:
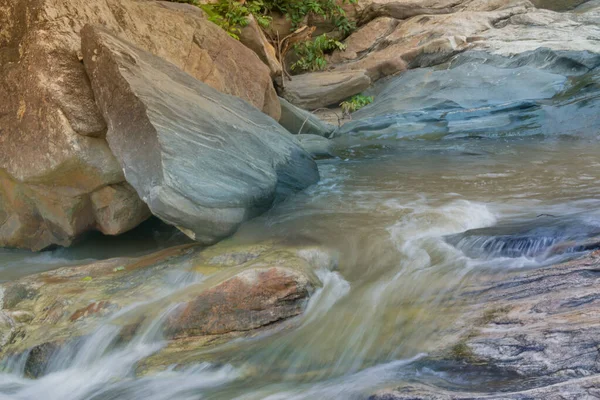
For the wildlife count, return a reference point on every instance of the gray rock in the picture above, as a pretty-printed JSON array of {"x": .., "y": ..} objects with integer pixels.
[
  {"x": 585, "y": 388},
  {"x": 536, "y": 330},
  {"x": 202, "y": 160},
  {"x": 321, "y": 89},
  {"x": 540, "y": 92},
  {"x": 297, "y": 121},
  {"x": 317, "y": 146}
]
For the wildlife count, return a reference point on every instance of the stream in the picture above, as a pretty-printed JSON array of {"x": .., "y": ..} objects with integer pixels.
[{"x": 392, "y": 212}]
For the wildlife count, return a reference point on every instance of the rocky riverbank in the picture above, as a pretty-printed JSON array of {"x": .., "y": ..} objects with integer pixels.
[{"x": 116, "y": 111}]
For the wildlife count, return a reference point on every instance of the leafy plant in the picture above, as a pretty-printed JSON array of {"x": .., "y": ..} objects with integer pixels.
[
  {"x": 297, "y": 10},
  {"x": 356, "y": 103},
  {"x": 311, "y": 54},
  {"x": 232, "y": 15}
]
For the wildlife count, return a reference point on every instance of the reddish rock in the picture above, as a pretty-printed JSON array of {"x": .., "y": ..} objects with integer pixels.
[{"x": 252, "y": 299}]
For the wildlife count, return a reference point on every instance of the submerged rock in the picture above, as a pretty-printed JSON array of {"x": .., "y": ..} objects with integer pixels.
[
  {"x": 196, "y": 297},
  {"x": 543, "y": 236},
  {"x": 202, "y": 160}
]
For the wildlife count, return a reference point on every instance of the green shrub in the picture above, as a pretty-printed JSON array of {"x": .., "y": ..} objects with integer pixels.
[
  {"x": 297, "y": 10},
  {"x": 231, "y": 15},
  {"x": 356, "y": 103},
  {"x": 311, "y": 54}
]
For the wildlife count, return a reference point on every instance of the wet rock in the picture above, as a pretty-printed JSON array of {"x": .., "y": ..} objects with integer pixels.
[
  {"x": 14, "y": 293},
  {"x": 53, "y": 155},
  {"x": 320, "y": 89},
  {"x": 39, "y": 357},
  {"x": 299, "y": 121},
  {"x": 545, "y": 235},
  {"x": 198, "y": 297},
  {"x": 585, "y": 388},
  {"x": 536, "y": 327},
  {"x": 545, "y": 330},
  {"x": 202, "y": 160},
  {"x": 315, "y": 145},
  {"x": 252, "y": 299}
]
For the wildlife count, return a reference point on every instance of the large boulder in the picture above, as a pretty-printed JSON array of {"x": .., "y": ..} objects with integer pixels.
[
  {"x": 53, "y": 155},
  {"x": 202, "y": 160}
]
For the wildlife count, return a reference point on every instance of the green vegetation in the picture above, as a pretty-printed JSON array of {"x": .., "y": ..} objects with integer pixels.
[
  {"x": 231, "y": 15},
  {"x": 356, "y": 103},
  {"x": 297, "y": 10},
  {"x": 311, "y": 54}
]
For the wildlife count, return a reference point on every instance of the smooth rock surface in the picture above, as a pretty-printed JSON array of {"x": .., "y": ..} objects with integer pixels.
[
  {"x": 320, "y": 89},
  {"x": 53, "y": 155},
  {"x": 225, "y": 291},
  {"x": 537, "y": 328},
  {"x": 584, "y": 388},
  {"x": 250, "y": 300},
  {"x": 299, "y": 121},
  {"x": 316, "y": 145},
  {"x": 202, "y": 160},
  {"x": 478, "y": 94}
]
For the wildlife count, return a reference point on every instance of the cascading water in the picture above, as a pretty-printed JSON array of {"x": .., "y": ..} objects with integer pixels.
[{"x": 409, "y": 224}]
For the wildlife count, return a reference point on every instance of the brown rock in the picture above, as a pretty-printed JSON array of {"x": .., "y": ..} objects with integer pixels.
[
  {"x": 253, "y": 37},
  {"x": 250, "y": 300},
  {"x": 117, "y": 208},
  {"x": 428, "y": 40},
  {"x": 403, "y": 9},
  {"x": 365, "y": 39},
  {"x": 52, "y": 151}
]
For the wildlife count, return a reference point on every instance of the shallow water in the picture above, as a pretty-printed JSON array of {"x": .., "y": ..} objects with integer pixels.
[{"x": 384, "y": 211}]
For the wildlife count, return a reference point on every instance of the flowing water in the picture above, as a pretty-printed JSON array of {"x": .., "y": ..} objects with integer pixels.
[{"x": 391, "y": 213}]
